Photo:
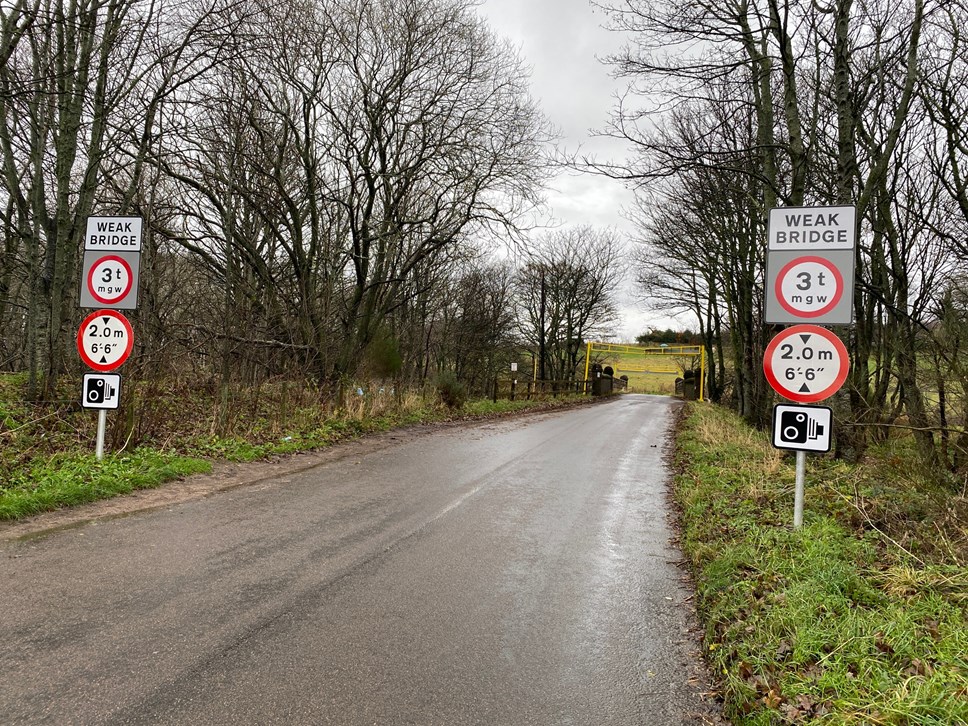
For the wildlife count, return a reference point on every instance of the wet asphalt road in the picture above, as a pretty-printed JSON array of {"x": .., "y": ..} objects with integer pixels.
[{"x": 516, "y": 572}]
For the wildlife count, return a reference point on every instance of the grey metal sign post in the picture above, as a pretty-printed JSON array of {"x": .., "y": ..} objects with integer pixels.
[
  {"x": 809, "y": 279},
  {"x": 109, "y": 281}
]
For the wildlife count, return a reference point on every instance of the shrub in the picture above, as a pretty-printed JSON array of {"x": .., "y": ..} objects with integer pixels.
[{"x": 452, "y": 392}]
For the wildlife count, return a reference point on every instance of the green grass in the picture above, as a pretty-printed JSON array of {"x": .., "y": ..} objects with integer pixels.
[
  {"x": 71, "y": 479},
  {"x": 486, "y": 408},
  {"x": 838, "y": 623},
  {"x": 341, "y": 426}
]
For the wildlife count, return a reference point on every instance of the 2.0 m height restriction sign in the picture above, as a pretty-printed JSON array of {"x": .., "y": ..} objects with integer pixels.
[
  {"x": 806, "y": 363},
  {"x": 104, "y": 340}
]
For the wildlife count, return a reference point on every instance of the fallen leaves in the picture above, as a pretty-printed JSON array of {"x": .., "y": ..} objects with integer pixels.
[{"x": 805, "y": 708}]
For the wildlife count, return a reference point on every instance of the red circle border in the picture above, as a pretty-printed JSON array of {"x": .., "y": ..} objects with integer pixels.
[{"x": 777, "y": 286}]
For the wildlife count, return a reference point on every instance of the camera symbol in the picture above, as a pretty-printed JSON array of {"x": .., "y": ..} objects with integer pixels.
[
  {"x": 797, "y": 427},
  {"x": 99, "y": 391}
]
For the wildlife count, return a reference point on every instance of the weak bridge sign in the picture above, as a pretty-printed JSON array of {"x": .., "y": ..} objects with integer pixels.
[{"x": 810, "y": 265}]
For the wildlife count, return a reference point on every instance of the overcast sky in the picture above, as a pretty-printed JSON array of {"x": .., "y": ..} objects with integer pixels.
[{"x": 562, "y": 41}]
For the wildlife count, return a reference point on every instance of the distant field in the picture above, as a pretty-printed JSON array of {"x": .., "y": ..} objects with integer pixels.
[{"x": 651, "y": 380}]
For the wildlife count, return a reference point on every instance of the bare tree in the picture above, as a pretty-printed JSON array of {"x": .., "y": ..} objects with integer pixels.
[
  {"x": 66, "y": 116},
  {"x": 476, "y": 331},
  {"x": 378, "y": 137},
  {"x": 824, "y": 95},
  {"x": 435, "y": 136},
  {"x": 566, "y": 293}
]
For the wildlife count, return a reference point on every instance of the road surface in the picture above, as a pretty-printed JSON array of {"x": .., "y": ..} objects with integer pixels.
[{"x": 513, "y": 572}]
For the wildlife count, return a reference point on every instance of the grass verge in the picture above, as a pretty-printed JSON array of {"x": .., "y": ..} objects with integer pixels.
[
  {"x": 858, "y": 618},
  {"x": 75, "y": 478}
]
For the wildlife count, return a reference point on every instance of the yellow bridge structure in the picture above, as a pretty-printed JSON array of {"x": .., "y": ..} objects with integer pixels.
[{"x": 669, "y": 361}]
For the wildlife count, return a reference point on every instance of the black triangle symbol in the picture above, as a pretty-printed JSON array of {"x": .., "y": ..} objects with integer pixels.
[
  {"x": 805, "y": 338},
  {"x": 108, "y": 320},
  {"x": 804, "y": 389},
  {"x": 103, "y": 359}
]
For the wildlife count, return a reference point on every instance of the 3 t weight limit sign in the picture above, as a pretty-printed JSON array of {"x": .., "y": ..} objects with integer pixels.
[
  {"x": 110, "y": 280},
  {"x": 809, "y": 287},
  {"x": 810, "y": 265},
  {"x": 806, "y": 363}
]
